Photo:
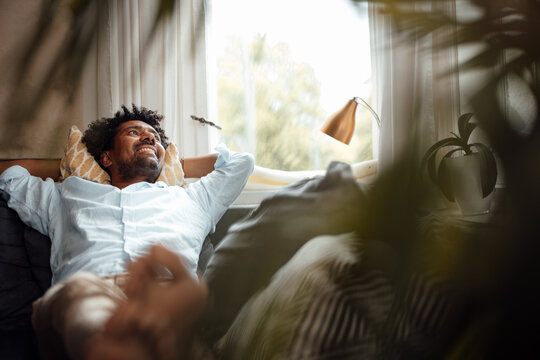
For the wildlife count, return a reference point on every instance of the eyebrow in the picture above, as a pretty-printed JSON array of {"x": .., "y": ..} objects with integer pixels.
[{"x": 139, "y": 127}]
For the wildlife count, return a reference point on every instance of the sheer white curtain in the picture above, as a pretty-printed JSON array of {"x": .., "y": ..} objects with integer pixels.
[
  {"x": 167, "y": 74},
  {"x": 410, "y": 94}
]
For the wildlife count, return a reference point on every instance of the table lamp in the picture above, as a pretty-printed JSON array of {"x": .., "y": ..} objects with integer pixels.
[{"x": 340, "y": 125}]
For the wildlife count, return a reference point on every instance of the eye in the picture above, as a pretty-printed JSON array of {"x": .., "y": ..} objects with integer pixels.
[{"x": 133, "y": 132}]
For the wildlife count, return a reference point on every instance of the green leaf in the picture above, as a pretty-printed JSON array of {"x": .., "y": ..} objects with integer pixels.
[
  {"x": 430, "y": 153},
  {"x": 452, "y": 152},
  {"x": 439, "y": 145},
  {"x": 429, "y": 158},
  {"x": 488, "y": 168},
  {"x": 465, "y": 127},
  {"x": 483, "y": 59},
  {"x": 468, "y": 130}
]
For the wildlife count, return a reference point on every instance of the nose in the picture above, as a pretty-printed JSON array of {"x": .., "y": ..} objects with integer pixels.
[{"x": 148, "y": 136}]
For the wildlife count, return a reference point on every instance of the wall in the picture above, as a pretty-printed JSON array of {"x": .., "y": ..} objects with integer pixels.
[{"x": 43, "y": 134}]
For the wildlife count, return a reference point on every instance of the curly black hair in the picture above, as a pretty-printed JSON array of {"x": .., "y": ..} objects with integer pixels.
[{"x": 100, "y": 133}]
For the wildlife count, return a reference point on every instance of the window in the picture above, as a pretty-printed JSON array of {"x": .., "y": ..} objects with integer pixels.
[{"x": 281, "y": 69}]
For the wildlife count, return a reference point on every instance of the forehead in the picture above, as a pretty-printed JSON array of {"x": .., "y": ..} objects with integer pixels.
[{"x": 137, "y": 124}]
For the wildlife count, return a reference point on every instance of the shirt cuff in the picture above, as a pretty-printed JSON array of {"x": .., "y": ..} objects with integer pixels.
[
  {"x": 224, "y": 156},
  {"x": 7, "y": 177},
  {"x": 13, "y": 172}
]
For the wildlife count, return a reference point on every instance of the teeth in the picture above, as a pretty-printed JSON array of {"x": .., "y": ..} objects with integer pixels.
[{"x": 146, "y": 150}]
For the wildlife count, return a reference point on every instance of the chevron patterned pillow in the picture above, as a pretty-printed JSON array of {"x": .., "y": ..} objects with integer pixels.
[{"x": 77, "y": 161}]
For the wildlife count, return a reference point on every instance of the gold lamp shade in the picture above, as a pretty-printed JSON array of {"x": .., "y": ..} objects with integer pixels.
[{"x": 340, "y": 126}]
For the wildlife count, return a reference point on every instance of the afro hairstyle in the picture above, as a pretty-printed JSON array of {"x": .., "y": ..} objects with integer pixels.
[{"x": 100, "y": 134}]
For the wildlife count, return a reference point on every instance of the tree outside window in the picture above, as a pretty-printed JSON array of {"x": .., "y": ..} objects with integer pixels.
[{"x": 270, "y": 103}]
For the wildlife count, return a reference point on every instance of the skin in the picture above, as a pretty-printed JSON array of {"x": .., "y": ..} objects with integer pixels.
[
  {"x": 136, "y": 155},
  {"x": 43, "y": 168},
  {"x": 195, "y": 167},
  {"x": 159, "y": 318},
  {"x": 200, "y": 166}
]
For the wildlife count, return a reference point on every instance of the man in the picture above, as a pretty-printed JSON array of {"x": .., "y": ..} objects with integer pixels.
[
  {"x": 97, "y": 230},
  {"x": 155, "y": 321}
]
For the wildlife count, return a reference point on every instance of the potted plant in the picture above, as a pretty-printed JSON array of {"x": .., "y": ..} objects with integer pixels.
[{"x": 467, "y": 173}]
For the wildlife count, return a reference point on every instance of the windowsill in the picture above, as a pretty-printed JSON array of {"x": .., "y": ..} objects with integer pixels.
[
  {"x": 266, "y": 182},
  {"x": 253, "y": 197}
]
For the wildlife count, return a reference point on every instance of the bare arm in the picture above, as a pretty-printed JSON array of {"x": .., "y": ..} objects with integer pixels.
[
  {"x": 43, "y": 168},
  {"x": 198, "y": 167},
  {"x": 195, "y": 167}
]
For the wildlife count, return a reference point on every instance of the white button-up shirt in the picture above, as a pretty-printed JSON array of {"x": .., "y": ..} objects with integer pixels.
[{"x": 101, "y": 228}]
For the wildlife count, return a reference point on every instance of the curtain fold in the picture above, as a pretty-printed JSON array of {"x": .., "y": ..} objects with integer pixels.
[
  {"x": 167, "y": 74},
  {"x": 412, "y": 97}
]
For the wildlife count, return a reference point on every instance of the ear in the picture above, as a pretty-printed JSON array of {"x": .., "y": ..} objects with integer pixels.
[{"x": 105, "y": 159}]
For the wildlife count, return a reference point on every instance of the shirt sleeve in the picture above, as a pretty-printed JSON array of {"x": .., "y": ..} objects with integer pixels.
[
  {"x": 32, "y": 198},
  {"x": 216, "y": 191}
]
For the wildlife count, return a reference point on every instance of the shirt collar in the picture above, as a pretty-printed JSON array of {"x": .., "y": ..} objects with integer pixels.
[{"x": 146, "y": 185}]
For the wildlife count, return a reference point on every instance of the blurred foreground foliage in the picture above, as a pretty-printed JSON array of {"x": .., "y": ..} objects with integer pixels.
[
  {"x": 496, "y": 270},
  {"x": 51, "y": 62}
]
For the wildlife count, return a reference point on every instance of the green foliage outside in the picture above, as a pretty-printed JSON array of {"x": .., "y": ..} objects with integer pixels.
[{"x": 284, "y": 106}]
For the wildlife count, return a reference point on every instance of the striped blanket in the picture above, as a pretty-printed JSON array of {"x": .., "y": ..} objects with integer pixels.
[{"x": 330, "y": 302}]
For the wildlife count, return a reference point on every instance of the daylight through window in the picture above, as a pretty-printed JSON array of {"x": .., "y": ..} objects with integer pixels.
[{"x": 282, "y": 68}]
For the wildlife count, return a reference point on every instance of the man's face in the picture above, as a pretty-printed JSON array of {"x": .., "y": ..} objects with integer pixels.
[{"x": 136, "y": 153}]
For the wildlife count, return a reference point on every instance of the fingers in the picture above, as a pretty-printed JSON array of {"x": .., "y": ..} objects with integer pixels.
[
  {"x": 107, "y": 348},
  {"x": 147, "y": 327},
  {"x": 158, "y": 316},
  {"x": 140, "y": 274},
  {"x": 161, "y": 256},
  {"x": 159, "y": 263},
  {"x": 121, "y": 320},
  {"x": 136, "y": 321}
]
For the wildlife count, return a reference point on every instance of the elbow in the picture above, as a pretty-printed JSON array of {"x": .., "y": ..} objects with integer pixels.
[
  {"x": 251, "y": 162},
  {"x": 248, "y": 162}
]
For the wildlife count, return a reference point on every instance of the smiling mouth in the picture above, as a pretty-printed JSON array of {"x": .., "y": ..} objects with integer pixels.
[{"x": 146, "y": 149}]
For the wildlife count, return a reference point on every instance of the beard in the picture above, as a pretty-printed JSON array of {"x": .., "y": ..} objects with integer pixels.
[{"x": 146, "y": 168}]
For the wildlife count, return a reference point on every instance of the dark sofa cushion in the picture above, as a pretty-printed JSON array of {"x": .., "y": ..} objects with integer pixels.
[
  {"x": 256, "y": 247},
  {"x": 24, "y": 269},
  {"x": 24, "y": 276}
]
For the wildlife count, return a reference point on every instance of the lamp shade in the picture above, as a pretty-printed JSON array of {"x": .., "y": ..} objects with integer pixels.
[{"x": 340, "y": 125}]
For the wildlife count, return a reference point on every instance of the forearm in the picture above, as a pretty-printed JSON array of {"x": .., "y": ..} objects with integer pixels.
[
  {"x": 34, "y": 199},
  {"x": 222, "y": 186},
  {"x": 42, "y": 168},
  {"x": 198, "y": 167}
]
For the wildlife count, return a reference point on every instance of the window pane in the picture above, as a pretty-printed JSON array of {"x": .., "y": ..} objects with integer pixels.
[{"x": 283, "y": 67}]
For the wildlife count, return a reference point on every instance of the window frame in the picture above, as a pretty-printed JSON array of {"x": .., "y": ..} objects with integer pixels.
[{"x": 198, "y": 97}]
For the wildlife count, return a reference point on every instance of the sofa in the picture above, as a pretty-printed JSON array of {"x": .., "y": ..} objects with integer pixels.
[
  {"x": 256, "y": 250},
  {"x": 25, "y": 275}
]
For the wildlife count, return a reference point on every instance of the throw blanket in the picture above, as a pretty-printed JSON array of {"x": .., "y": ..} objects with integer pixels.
[
  {"x": 291, "y": 281},
  {"x": 330, "y": 302},
  {"x": 259, "y": 245}
]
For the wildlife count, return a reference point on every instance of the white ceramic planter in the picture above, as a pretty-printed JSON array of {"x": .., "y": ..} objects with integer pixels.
[{"x": 465, "y": 178}]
